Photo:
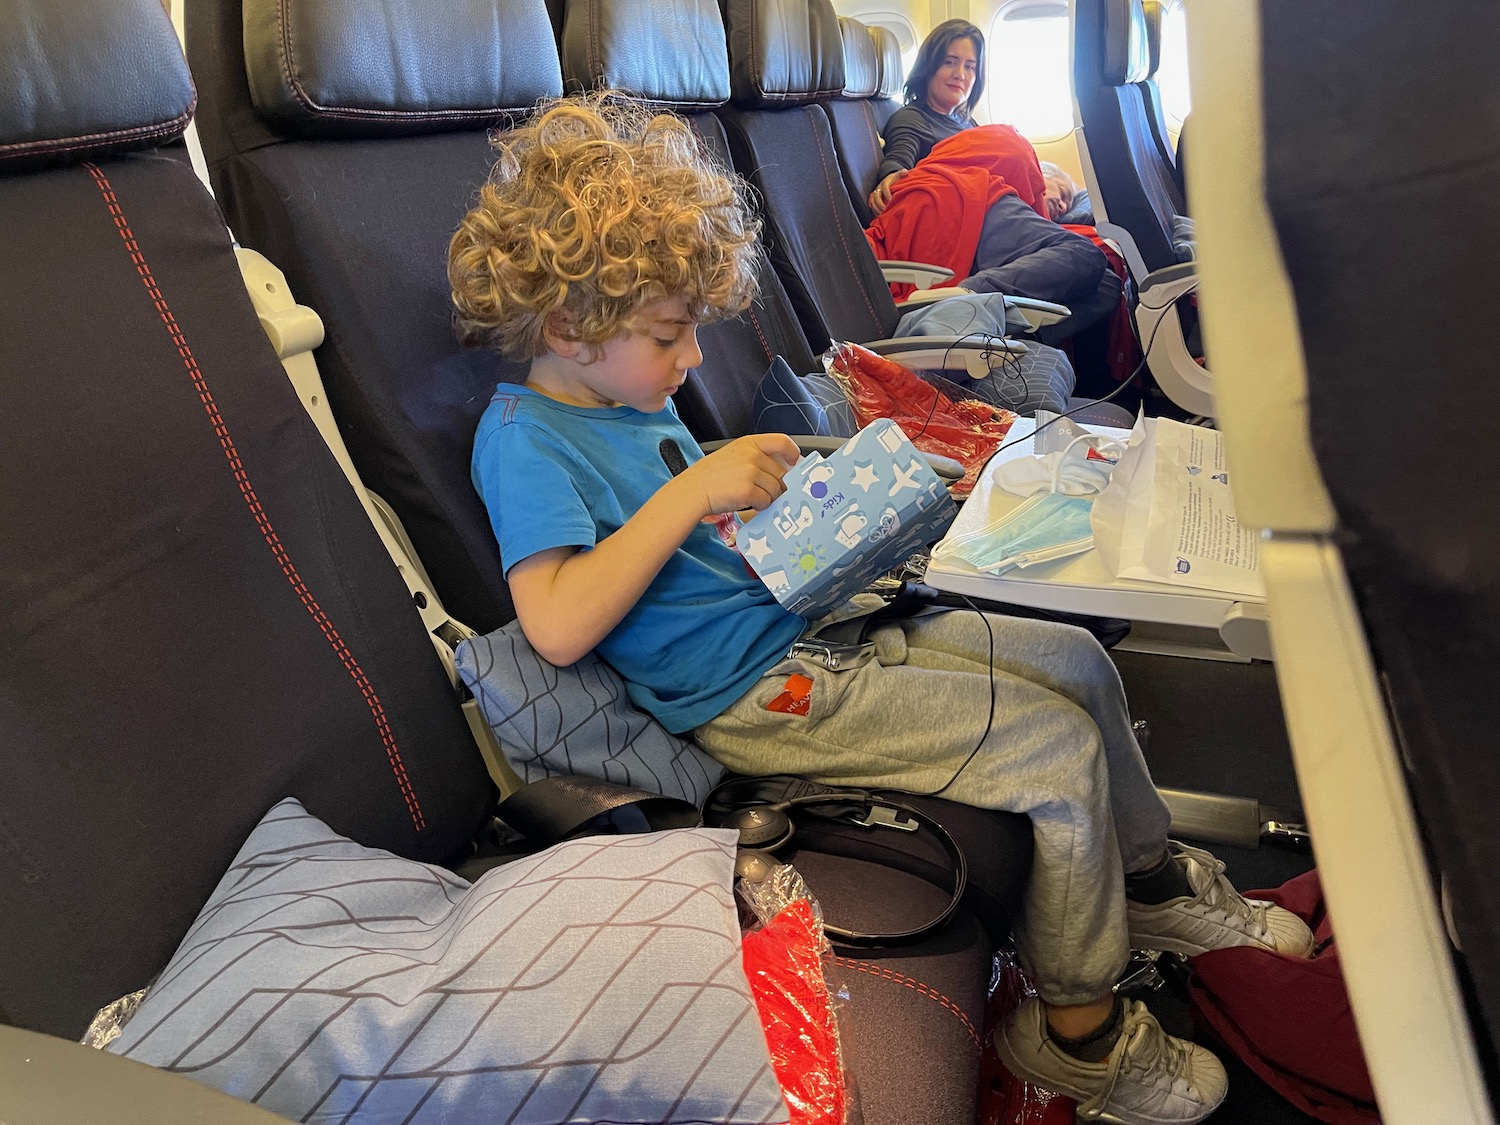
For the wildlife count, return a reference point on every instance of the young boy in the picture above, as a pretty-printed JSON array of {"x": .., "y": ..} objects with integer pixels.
[{"x": 604, "y": 238}]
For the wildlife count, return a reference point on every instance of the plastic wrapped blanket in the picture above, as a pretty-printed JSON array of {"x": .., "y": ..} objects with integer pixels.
[
  {"x": 967, "y": 430},
  {"x": 783, "y": 961}
]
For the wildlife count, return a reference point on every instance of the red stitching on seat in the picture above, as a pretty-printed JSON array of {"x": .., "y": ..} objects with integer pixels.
[
  {"x": 755, "y": 324},
  {"x": 247, "y": 492},
  {"x": 915, "y": 985}
]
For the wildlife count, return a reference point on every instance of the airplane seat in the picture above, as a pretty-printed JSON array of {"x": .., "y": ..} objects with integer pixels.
[
  {"x": 718, "y": 400},
  {"x": 852, "y": 116},
  {"x": 782, "y": 143},
  {"x": 1379, "y": 555},
  {"x": 350, "y": 172},
  {"x": 640, "y": 47},
  {"x": 675, "y": 59},
  {"x": 1151, "y": 95},
  {"x": 1127, "y": 175},
  {"x": 377, "y": 237},
  {"x": 890, "y": 86},
  {"x": 198, "y": 617},
  {"x": 1134, "y": 190}
]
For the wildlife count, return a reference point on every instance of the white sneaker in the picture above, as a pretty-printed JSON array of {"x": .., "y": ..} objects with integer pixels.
[
  {"x": 1216, "y": 916},
  {"x": 1149, "y": 1078}
]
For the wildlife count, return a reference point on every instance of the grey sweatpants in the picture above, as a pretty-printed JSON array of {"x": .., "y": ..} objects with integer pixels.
[{"x": 1059, "y": 749}]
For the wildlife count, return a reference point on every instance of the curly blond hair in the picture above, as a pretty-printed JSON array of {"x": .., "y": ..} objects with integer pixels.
[{"x": 595, "y": 209}]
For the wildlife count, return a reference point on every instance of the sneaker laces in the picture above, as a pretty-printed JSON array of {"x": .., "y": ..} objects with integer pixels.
[
  {"x": 1218, "y": 893},
  {"x": 1148, "y": 1048}
]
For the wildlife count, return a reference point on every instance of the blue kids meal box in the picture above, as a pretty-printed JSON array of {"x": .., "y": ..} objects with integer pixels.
[{"x": 846, "y": 519}]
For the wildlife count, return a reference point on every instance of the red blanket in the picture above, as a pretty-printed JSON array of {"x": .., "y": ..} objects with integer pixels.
[{"x": 937, "y": 210}]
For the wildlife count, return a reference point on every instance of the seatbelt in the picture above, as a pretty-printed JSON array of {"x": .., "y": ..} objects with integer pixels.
[
  {"x": 294, "y": 331},
  {"x": 554, "y": 808},
  {"x": 177, "y": 9}
]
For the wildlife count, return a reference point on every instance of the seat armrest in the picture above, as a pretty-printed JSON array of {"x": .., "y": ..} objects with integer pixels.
[
  {"x": 967, "y": 354},
  {"x": 924, "y": 297},
  {"x": 1164, "y": 285},
  {"x": 920, "y": 274},
  {"x": 806, "y": 443},
  {"x": 1022, "y": 314},
  {"x": 945, "y": 467},
  {"x": 1036, "y": 312}
]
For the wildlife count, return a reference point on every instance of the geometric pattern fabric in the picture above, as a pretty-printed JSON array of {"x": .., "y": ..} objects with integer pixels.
[
  {"x": 554, "y": 721},
  {"x": 597, "y": 981}
]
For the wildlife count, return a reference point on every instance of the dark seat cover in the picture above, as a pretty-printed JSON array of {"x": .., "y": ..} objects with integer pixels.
[
  {"x": 198, "y": 619},
  {"x": 855, "y": 121},
  {"x": 1417, "y": 515},
  {"x": 1111, "y": 56},
  {"x": 360, "y": 225}
]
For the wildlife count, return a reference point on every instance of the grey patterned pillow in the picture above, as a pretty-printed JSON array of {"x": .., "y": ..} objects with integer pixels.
[
  {"x": 576, "y": 720},
  {"x": 597, "y": 981}
]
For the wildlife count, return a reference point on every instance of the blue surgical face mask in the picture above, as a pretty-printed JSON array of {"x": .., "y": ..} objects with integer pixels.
[{"x": 1048, "y": 526}]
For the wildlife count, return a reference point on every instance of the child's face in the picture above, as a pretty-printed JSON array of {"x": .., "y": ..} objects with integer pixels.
[{"x": 646, "y": 364}]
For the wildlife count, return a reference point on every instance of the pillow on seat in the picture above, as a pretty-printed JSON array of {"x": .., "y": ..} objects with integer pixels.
[
  {"x": 554, "y": 721},
  {"x": 788, "y": 403},
  {"x": 1184, "y": 238},
  {"x": 1081, "y": 214},
  {"x": 599, "y": 980},
  {"x": 1042, "y": 378}
]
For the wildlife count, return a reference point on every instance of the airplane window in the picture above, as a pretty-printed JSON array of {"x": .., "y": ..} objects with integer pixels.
[
  {"x": 1172, "y": 72},
  {"x": 1028, "y": 83}
]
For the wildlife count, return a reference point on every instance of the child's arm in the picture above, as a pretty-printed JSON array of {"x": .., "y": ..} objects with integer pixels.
[{"x": 568, "y": 599}]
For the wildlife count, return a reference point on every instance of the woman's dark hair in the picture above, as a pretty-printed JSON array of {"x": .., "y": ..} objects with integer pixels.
[{"x": 934, "y": 50}]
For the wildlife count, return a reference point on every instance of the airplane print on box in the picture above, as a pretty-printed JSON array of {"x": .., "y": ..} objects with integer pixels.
[{"x": 846, "y": 519}]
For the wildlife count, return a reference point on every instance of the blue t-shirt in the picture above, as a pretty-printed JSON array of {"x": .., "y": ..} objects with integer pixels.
[{"x": 557, "y": 475}]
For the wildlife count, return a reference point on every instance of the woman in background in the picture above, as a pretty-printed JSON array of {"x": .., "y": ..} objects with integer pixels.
[{"x": 942, "y": 90}]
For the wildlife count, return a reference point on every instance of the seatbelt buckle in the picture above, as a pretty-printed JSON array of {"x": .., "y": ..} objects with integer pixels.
[
  {"x": 883, "y": 816},
  {"x": 833, "y": 655},
  {"x": 1286, "y": 834}
]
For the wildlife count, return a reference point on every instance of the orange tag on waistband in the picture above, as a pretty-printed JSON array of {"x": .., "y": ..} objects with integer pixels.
[{"x": 795, "y": 697}]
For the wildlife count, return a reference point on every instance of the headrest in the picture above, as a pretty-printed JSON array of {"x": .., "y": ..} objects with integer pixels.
[
  {"x": 359, "y": 68},
  {"x": 1152, "y": 12},
  {"x": 783, "y": 52},
  {"x": 1127, "y": 57},
  {"x": 892, "y": 80},
  {"x": 861, "y": 66},
  {"x": 670, "y": 53},
  {"x": 87, "y": 78}
]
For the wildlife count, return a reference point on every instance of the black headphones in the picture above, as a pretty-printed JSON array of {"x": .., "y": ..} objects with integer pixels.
[{"x": 764, "y": 826}]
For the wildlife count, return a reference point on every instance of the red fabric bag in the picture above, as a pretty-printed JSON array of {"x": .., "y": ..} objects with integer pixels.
[{"x": 1288, "y": 1018}]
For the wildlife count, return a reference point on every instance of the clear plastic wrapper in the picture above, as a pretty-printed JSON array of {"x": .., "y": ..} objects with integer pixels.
[
  {"x": 108, "y": 1021},
  {"x": 935, "y": 419},
  {"x": 768, "y": 897},
  {"x": 1004, "y": 1098},
  {"x": 783, "y": 959}
]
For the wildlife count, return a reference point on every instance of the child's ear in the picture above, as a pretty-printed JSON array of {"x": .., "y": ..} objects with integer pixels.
[{"x": 559, "y": 333}]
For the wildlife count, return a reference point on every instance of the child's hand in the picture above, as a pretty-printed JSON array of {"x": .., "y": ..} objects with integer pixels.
[{"x": 746, "y": 473}]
